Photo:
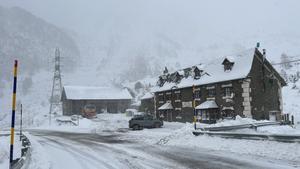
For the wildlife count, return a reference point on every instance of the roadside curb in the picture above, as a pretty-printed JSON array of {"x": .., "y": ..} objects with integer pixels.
[{"x": 25, "y": 154}]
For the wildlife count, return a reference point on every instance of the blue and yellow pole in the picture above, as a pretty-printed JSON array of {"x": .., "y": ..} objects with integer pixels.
[
  {"x": 13, "y": 115},
  {"x": 194, "y": 105}
]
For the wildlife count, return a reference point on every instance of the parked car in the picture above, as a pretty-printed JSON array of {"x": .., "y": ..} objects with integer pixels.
[{"x": 144, "y": 121}]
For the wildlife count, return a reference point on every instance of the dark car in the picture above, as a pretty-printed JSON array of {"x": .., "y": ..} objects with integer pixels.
[{"x": 144, "y": 121}]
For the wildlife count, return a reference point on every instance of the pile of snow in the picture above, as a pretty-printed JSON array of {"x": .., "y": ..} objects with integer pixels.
[
  {"x": 182, "y": 136},
  {"x": 229, "y": 122},
  {"x": 111, "y": 122},
  {"x": 67, "y": 123},
  {"x": 276, "y": 129},
  {"x": 105, "y": 122},
  {"x": 280, "y": 151}
]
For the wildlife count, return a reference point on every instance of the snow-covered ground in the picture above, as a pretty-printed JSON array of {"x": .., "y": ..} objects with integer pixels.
[
  {"x": 180, "y": 135},
  {"x": 5, "y": 147}
]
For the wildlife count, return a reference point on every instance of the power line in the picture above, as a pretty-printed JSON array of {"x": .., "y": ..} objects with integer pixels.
[{"x": 297, "y": 60}]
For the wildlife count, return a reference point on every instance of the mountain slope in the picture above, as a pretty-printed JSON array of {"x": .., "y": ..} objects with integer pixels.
[{"x": 32, "y": 41}]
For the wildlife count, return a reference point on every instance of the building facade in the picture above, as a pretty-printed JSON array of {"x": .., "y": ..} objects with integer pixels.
[
  {"x": 106, "y": 100},
  {"x": 245, "y": 84},
  {"x": 147, "y": 104}
]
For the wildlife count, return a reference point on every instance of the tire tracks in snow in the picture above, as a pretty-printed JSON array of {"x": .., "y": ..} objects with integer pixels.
[{"x": 81, "y": 157}]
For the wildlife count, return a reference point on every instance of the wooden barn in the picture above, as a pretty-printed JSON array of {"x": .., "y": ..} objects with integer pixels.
[
  {"x": 245, "y": 84},
  {"x": 106, "y": 100}
]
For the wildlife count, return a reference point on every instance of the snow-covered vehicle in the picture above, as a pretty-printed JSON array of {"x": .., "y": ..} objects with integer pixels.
[
  {"x": 89, "y": 111},
  {"x": 144, "y": 121}
]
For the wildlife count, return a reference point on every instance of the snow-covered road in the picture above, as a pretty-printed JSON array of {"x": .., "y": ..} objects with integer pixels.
[{"x": 112, "y": 151}]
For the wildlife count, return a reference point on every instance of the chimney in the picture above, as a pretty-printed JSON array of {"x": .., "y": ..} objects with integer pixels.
[
  {"x": 257, "y": 45},
  {"x": 264, "y": 54}
]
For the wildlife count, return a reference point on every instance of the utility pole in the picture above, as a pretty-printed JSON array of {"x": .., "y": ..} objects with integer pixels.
[{"x": 55, "y": 103}]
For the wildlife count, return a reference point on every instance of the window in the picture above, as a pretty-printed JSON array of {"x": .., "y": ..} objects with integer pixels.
[
  {"x": 148, "y": 118},
  {"x": 138, "y": 118},
  {"x": 197, "y": 94},
  {"x": 211, "y": 92},
  {"x": 168, "y": 96},
  {"x": 160, "y": 97},
  {"x": 227, "y": 64},
  {"x": 227, "y": 91},
  {"x": 177, "y": 95}
]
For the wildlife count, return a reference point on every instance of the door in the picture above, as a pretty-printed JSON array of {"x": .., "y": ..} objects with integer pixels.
[
  {"x": 272, "y": 117},
  {"x": 148, "y": 120},
  {"x": 170, "y": 118}
]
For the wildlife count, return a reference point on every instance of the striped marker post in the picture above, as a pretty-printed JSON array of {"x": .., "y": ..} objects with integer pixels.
[
  {"x": 194, "y": 105},
  {"x": 13, "y": 116}
]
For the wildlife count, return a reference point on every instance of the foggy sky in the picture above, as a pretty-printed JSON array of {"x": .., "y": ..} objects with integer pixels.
[
  {"x": 209, "y": 17},
  {"x": 187, "y": 22}
]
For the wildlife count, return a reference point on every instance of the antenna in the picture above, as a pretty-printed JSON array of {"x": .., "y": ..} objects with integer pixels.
[{"x": 55, "y": 103}]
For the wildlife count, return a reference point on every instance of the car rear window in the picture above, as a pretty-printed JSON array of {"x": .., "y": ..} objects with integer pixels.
[{"x": 138, "y": 118}]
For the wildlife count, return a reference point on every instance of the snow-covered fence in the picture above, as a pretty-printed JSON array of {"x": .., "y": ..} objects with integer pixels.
[
  {"x": 66, "y": 122},
  {"x": 271, "y": 137},
  {"x": 25, "y": 154}
]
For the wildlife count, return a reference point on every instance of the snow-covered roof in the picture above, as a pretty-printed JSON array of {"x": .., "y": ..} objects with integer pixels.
[
  {"x": 209, "y": 104},
  {"x": 230, "y": 58},
  {"x": 148, "y": 95},
  {"x": 215, "y": 71},
  {"x": 200, "y": 66},
  {"x": 181, "y": 72},
  {"x": 166, "y": 106},
  {"x": 96, "y": 93},
  {"x": 138, "y": 103}
]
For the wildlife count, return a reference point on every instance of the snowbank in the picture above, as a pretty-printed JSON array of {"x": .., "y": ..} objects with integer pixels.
[
  {"x": 4, "y": 150},
  {"x": 180, "y": 134},
  {"x": 39, "y": 158},
  {"x": 282, "y": 129}
]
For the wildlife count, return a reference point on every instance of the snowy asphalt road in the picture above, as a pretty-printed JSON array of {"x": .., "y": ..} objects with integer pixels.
[{"x": 93, "y": 151}]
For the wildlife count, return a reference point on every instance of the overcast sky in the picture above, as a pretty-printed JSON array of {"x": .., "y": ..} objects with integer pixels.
[
  {"x": 189, "y": 22},
  {"x": 214, "y": 15}
]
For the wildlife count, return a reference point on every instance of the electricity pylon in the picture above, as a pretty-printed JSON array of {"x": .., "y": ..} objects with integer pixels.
[{"x": 55, "y": 102}]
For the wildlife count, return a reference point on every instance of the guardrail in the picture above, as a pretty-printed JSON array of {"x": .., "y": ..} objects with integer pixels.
[
  {"x": 2, "y": 135},
  {"x": 25, "y": 154},
  {"x": 271, "y": 137},
  {"x": 242, "y": 126}
]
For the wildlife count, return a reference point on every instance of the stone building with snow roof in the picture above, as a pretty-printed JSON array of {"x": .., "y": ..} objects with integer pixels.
[
  {"x": 245, "y": 84},
  {"x": 105, "y": 99}
]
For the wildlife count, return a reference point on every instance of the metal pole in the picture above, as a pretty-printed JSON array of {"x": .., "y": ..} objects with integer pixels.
[
  {"x": 50, "y": 118},
  {"x": 12, "y": 130},
  {"x": 21, "y": 124},
  {"x": 154, "y": 100},
  {"x": 194, "y": 105}
]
